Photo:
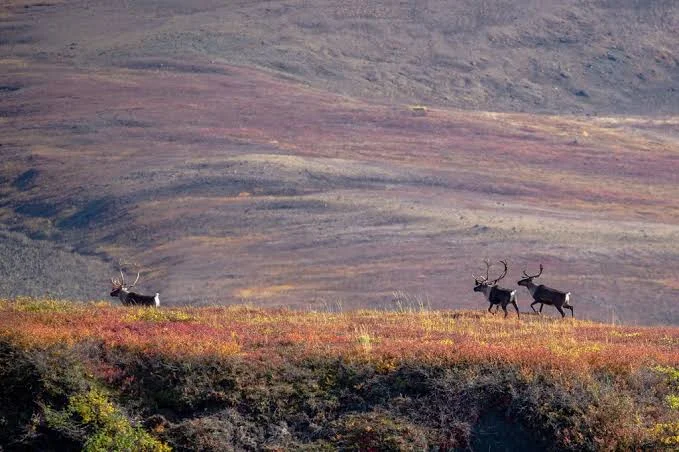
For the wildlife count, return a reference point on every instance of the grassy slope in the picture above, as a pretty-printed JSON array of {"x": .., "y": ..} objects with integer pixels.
[
  {"x": 133, "y": 133},
  {"x": 253, "y": 378}
]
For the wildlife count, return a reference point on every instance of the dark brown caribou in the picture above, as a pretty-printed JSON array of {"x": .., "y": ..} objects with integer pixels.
[
  {"x": 122, "y": 291},
  {"x": 546, "y": 295},
  {"x": 496, "y": 296}
]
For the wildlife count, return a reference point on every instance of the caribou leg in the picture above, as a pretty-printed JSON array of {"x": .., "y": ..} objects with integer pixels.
[
  {"x": 563, "y": 314},
  {"x": 516, "y": 306}
]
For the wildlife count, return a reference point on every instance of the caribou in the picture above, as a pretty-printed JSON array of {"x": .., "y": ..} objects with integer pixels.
[
  {"x": 544, "y": 295},
  {"x": 122, "y": 291},
  {"x": 496, "y": 296}
]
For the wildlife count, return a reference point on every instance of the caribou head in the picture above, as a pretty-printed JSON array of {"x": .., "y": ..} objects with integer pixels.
[
  {"x": 481, "y": 282},
  {"x": 527, "y": 279}
]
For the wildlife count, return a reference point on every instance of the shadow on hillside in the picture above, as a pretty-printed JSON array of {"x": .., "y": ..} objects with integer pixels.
[{"x": 497, "y": 432}]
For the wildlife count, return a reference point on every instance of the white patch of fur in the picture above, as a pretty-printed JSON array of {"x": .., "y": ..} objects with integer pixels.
[
  {"x": 156, "y": 299},
  {"x": 123, "y": 294}
]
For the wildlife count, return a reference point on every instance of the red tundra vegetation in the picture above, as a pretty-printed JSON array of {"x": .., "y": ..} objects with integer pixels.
[{"x": 363, "y": 379}]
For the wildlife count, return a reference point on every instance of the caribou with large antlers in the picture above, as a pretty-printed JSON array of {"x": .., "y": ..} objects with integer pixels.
[
  {"x": 494, "y": 294},
  {"x": 122, "y": 291},
  {"x": 546, "y": 295}
]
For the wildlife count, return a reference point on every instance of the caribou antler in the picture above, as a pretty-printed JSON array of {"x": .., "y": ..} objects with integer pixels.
[
  {"x": 121, "y": 282},
  {"x": 533, "y": 276},
  {"x": 122, "y": 276},
  {"x": 135, "y": 281},
  {"x": 479, "y": 280},
  {"x": 503, "y": 274},
  {"x": 116, "y": 283}
]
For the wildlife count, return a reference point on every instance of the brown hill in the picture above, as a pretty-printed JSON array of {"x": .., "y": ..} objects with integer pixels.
[
  {"x": 594, "y": 56},
  {"x": 270, "y": 152}
]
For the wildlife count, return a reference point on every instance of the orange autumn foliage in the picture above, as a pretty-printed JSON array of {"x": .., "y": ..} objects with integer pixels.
[{"x": 386, "y": 338}]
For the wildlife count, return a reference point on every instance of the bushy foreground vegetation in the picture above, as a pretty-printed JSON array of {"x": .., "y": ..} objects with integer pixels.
[{"x": 103, "y": 377}]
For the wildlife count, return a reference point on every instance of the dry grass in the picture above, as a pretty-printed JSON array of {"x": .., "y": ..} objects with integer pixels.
[{"x": 387, "y": 338}]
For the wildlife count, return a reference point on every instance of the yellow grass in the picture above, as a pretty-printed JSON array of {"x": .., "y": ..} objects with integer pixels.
[{"x": 383, "y": 337}]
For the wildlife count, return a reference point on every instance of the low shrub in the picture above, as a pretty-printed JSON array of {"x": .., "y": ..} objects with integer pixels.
[
  {"x": 81, "y": 376},
  {"x": 379, "y": 430},
  {"x": 92, "y": 419}
]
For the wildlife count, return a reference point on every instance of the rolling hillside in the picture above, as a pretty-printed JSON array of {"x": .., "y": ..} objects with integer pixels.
[{"x": 277, "y": 152}]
